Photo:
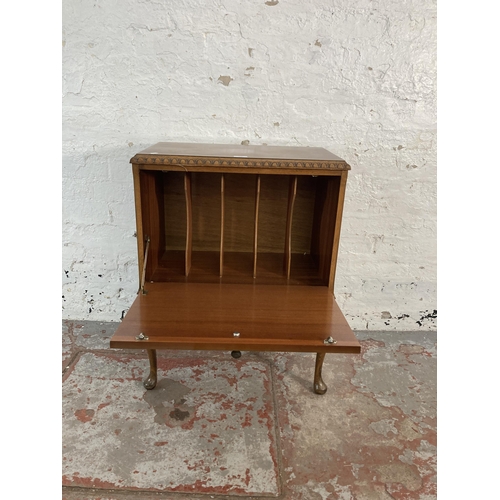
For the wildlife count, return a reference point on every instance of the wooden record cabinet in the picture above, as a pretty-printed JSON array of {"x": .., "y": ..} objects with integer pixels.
[{"x": 237, "y": 250}]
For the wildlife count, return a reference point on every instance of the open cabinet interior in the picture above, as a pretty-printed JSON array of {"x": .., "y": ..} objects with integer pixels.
[{"x": 238, "y": 228}]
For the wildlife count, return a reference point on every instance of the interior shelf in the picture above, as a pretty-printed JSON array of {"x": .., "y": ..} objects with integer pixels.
[{"x": 238, "y": 267}]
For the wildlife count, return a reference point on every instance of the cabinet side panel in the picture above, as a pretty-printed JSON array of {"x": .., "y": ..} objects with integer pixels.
[
  {"x": 324, "y": 225},
  {"x": 153, "y": 217},
  {"x": 338, "y": 224},
  {"x": 138, "y": 219}
]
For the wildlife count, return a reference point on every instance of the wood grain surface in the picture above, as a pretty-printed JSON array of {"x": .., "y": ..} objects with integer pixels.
[
  {"x": 253, "y": 254},
  {"x": 239, "y": 151},
  {"x": 205, "y": 316}
]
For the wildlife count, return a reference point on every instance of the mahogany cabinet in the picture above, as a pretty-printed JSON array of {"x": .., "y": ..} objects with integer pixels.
[{"x": 237, "y": 251}]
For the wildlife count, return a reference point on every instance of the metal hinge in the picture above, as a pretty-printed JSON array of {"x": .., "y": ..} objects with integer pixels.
[{"x": 329, "y": 341}]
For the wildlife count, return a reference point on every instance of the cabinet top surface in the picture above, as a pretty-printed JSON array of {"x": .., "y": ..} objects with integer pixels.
[{"x": 238, "y": 152}]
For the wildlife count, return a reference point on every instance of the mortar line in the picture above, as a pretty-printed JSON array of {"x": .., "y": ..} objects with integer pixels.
[
  {"x": 126, "y": 494},
  {"x": 70, "y": 362},
  {"x": 277, "y": 427}
]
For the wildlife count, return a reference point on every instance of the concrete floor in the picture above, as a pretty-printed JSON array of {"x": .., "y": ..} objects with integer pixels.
[{"x": 220, "y": 428}]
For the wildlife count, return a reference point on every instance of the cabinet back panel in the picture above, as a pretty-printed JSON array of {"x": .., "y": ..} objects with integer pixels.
[
  {"x": 206, "y": 205},
  {"x": 303, "y": 214},
  {"x": 239, "y": 212},
  {"x": 175, "y": 210},
  {"x": 312, "y": 225},
  {"x": 325, "y": 213},
  {"x": 272, "y": 213}
]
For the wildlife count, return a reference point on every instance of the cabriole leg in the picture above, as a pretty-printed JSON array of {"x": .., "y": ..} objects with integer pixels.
[
  {"x": 319, "y": 386},
  {"x": 150, "y": 382}
]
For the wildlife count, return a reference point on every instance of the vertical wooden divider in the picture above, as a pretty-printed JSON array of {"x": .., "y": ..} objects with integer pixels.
[
  {"x": 292, "y": 193},
  {"x": 256, "y": 226},
  {"x": 189, "y": 222},
  {"x": 221, "y": 262}
]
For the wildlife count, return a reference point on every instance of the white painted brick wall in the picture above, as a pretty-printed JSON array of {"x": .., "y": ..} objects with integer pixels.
[{"x": 355, "y": 77}]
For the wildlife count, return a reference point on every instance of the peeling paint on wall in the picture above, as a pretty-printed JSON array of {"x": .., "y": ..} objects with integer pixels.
[{"x": 225, "y": 80}]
